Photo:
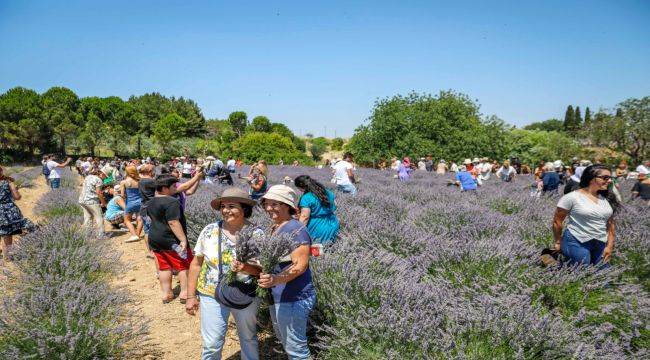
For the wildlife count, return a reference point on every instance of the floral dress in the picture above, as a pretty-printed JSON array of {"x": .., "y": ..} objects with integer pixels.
[{"x": 12, "y": 221}]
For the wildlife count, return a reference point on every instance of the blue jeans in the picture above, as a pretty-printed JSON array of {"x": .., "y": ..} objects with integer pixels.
[
  {"x": 586, "y": 253},
  {"x": 290, "y": 326},
  {"x": 146, "y": 224},
  {"x": 347, "y": 188},
  {"x": 214, "y": 324},
  {"x": 55, "y": 183}
]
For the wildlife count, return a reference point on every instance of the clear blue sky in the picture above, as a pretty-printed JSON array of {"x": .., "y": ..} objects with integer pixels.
[{"x": 315, "y": 65}]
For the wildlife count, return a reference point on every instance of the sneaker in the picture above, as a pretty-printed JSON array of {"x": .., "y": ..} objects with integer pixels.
[{"x": 133, "y": 238}]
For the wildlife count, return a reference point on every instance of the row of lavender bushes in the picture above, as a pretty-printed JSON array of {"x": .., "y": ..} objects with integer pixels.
[
  {"x": 423, "y": 271},
  {"x": 61, "y": 303}
]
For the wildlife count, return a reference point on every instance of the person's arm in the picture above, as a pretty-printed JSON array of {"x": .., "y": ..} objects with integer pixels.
[
  {"x": 177, "y": 229},
  {"x": 120, "y": 202},
  {"x": 635, "y": 190},
  {"x": 14, "y": 191},
  {"x": 123, "y": 189},
  {"x": 257, "y": 185},
  {"x": 299, "y": 264},
  {"x": 100, "y": 194},
  {"x": 558, "y": 220},
  {"x": 67, "y": 161},
  {"x": 186, "y": 186},
  {"x": 191, "y": 304},
  {"x": 305, "y": 213},
  {"x": 499, "y": 172},
  {"x": 607, "y": 253},
  {"x": 351, "y": 176}
]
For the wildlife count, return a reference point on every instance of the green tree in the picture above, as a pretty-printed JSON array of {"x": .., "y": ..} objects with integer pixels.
[
  {"x": 90, "y": 117},
  {"x": 282, "y": 129},
  {"x": 238, "y": 122},
  {"x": 577, "y": 119},
  {"x": 569, "y": 118},
  {"x": 192, "y": 114},
  {"x": 587, "y": 117},
  {"x": 59, "y": 111},
  {"x": 268, "y": 146},
  {"x": 170, "y": 127},
  {"x": 547, "y": 125},
  {"x": 21, "y": 121},
  {"x": 220, "y": 130},
  {"x": 318, "y": 147},
  {"x": 445, "y": 125},
  {"x": 337, "y": 144},
  {"x": 261, "y": 124},
  {"x": 532, "y": 146}
]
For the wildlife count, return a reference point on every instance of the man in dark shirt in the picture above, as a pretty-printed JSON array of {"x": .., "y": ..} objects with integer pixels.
[{"x": 167, "y": 237}]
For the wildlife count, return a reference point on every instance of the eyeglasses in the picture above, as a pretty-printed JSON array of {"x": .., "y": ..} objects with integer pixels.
[{"x": 605, "y": 177}]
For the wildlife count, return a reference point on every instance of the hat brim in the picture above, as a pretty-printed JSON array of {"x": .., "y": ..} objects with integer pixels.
[
  {"x": 271, "y": 196},
  {"x": 216, "y": 203}
]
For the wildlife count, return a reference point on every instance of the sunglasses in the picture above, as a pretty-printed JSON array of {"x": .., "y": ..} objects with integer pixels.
[{"x": 605, "y": 177}]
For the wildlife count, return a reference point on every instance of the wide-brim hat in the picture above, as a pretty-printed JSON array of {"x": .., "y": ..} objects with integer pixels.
[
  {"x": 232, "y": 194},
  {"x": 210, "y": 158},
  {"x": 283, "y": 194},
  {"x": 475, "y": 160},
  {"x": 467, "y": 161}
]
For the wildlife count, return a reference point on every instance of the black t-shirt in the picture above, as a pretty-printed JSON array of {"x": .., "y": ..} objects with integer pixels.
[
  {"x": 162, "y": 209},
  {"x": 642, "y": 189},
  {"x": 147, "y": 192}
]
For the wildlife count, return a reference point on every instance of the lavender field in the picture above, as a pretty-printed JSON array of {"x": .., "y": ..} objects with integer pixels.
[{"x": 423, "y": 271}]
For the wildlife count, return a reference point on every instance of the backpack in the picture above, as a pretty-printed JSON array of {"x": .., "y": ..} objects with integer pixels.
[{"x": 46, "y": 170}]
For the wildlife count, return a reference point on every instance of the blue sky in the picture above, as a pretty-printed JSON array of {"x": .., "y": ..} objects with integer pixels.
[{"x": 320, "y": 66}]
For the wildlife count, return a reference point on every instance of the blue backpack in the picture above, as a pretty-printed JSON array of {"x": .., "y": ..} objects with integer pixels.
[{"x": 46, "y": 170}]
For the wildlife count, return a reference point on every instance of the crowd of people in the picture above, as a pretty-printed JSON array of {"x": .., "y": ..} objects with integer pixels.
[{"x": 149, "y": 199}]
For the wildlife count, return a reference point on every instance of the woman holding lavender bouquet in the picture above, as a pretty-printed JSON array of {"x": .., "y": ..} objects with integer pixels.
[
  {"x": 214, "y": 257},
  {"x": 293, "y": 292}
]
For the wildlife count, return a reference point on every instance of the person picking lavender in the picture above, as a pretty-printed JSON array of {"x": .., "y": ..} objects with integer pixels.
[
  {"x": 214, "y": 256},
  {"x": 589, "y": 236},
  {"x": 168, "y": 228},
  {"x": 292, "y": 289}
]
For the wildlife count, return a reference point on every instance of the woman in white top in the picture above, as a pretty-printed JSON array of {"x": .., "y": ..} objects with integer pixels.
[
  {"x": 506, "y": 173},
  {"x": 589, "y": 234}
]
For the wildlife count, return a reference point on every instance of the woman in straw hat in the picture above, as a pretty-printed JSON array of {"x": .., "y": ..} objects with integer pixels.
[
  {"x": 235, "y": 207},
  {"x": 294, "y": 295}
]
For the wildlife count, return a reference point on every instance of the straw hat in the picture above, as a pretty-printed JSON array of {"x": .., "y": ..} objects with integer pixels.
[
  {"x": 467, "y": 161},
  {"x": 210, "y": 158},
  {"x": 475, "y": 160},
  {"x": 232, "y": 194},
  {"x": 283, "y": 194}
]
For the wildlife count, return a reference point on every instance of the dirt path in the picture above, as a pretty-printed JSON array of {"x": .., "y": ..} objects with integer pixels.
[{"x": 29, "y": 197}]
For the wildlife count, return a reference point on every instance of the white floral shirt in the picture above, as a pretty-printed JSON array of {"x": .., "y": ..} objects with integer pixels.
[{"x": 207, "y": 247}]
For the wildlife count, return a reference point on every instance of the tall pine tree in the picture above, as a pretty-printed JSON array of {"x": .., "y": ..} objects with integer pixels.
[
  {"x": 568, "y": 119},
  {"x": 577, "y": 119},
  {"x": 587, "y": 117}
]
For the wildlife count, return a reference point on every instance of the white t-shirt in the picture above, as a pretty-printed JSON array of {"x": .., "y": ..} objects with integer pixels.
[
  {"x": 587, "y": 220},
  {"x": 187, "y": 168},
  {"x": 341, "y": 172},
  {"x": 485, "y": 169},
  {"x": 54, "y": 170}
]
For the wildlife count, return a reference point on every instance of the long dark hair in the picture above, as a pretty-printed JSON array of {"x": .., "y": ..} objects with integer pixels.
[
  {"x": 309, "y": 185},
  {"x": 589, "y": 174}
]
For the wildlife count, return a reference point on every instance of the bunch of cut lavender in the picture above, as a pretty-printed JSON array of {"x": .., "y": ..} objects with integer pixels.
[
  {"x": 245, "y": 248},
  {"x": 272, "y": 250}
]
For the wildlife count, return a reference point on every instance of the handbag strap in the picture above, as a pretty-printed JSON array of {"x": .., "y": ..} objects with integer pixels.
[{"x": 219, "y": 250}]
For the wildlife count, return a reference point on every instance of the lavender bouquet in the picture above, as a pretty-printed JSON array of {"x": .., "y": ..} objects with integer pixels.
[
  {"x": 272, "y": 250},
  {"x": 245, "y": 249}
]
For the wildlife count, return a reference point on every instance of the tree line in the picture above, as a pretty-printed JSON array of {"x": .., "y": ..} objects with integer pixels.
[
  {"x": 450, "y": 126},
  {"x": 59, "y": 121}
]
